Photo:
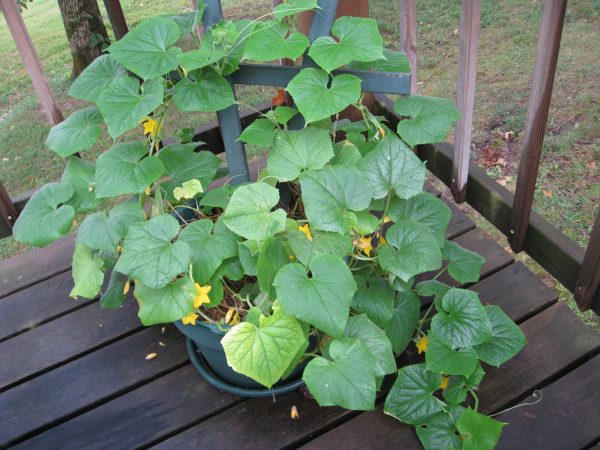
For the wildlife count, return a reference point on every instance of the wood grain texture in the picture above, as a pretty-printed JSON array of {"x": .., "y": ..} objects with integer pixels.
[
  {"x": 551, "y": 24},
  {"x": 408, "y": 37},
  {"x": 459, "y": 222},
  {"x": 587, "y": 287},
  {"x": 116, "y": 18},
  {"x": 8, "y": 212}
]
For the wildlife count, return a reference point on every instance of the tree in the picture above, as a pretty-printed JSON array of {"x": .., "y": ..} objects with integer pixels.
[{"x": 85, "y": 31}]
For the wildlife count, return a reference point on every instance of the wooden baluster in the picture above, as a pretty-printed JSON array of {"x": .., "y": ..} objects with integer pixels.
[
  {"x": 408, "y": 37},
  {"x": 553, "y": 14},
  {"x": 587, "y": 288},
  {"x": 116, "y": 18},
  {"x": 8, "y": 212}
]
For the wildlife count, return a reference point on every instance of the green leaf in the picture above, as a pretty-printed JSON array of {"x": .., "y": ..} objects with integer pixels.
[
  {"x": 430, "y": 118},
  {"x": 113, "y": 296},
  {"x": 361, "y": 328},
  {"x": 297, "y": 151},
  {"x": 271, "y": 258},
  {"x": 393, "y": 62},
  {"x": 264, "y": 352},
  {"x": 146, "y": 50},
  {"x": 440, "y": 358},
  {"x": 311, "y": 84},
  {"x": 125, "y": 214},
  {"x": 412, "y": 250},
  {"x": 392, "y": 166},
  {"x": 80, "y": 175},
  {"x": 268, "y": 42},
  {"x": 322, "y": 242},
  {"x": 358, "y": 39},
  {"x": 167, "y": 303},
  {"x": 346, "y": 154},
  {"x": 123, "y": 106},
  {"x": 331, "y": 194},
  {"x": 99, "y": 232},
  {"x": 474, "y": 380},
  {"x": 78, "y": 132},
  {"x": 46, "y": 216},
  {"x": 323, "y": 299},
  {"x": 248, "y": 257},
  {"x": 189, "y": 189},
  {"x": 202, "y": 57},
  {"x": 292, "y": 7},
  {"x": 149, "y": 255},
  {"x": 204, "y": 90},
  {"x": 348, "y": 380},
  {"x": 210, "y": 244},
  {"x": 374, "y": 298},
  {"x": 282, "y": 114},
  {"x": 123, "y": 169},
  {"x": 464, "y": 265},
  {"x": 507, "y": 338},
  {"x": 366, "y": 223},
  {"x": 478, "y": 432},
  {"x": 401, "y": 328},
  {"x": 260, "y": 132},
  {"x": 187, "y": 22},
  {"x": 423, "y": 208},
  {"x": 463, "y": 321},
  {"x": 87, "y": 273},
  {"x": 433, "y": 288},
  {"x": 411, "y": 398},
  {"x": 456, "y": 391},
  {"x": 439, "y": 431},
  {"x": 96, "y": 77},
  {"x": 218, "y": 197},
  {"x": 249, "y": 212}
]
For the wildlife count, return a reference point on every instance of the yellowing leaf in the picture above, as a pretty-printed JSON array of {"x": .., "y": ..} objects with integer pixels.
[
  {"x": 364, "y": 244},
  {"x": 188, "y": 189}
]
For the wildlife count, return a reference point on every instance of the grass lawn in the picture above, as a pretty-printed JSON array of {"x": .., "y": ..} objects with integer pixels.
[{"x": 568, "y": 188}]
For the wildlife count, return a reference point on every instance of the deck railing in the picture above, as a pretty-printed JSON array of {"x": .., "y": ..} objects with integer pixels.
[{"x": 576, "y": 268}]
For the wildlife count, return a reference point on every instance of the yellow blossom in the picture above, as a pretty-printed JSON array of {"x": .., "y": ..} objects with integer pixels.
[
  {"x": 444, "y": 384},
  {"x": 294, "y": 413},
  {"x": 190, "y": 319},
  {"x": 382, "y": 132},
  {"x": 202, "y": 296},
  {"x": 387, "y": 219},
  {"x": 126, "y": 288},
  {"x": 306, "y": 230},
  {"x": 148, "y": 191},
  {"x": 381, "y": 241},
  {"x": 364, "y": 244},
  {"x": 422, "y": 345},
  {"x": 151, "y": 127}
]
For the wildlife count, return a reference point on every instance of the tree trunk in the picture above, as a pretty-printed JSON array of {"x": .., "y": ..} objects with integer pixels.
[{"x": 85, "y": 31}]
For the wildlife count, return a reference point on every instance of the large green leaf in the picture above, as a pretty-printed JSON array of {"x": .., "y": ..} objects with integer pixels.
[
  {"x": 165, "y": 304},
  {"x": 463, "y": 321},
  {"x": 424, "y": 208},
  {"x": 271, "y": 259},
  {"x": 123, "y": 170},
  {"x": 478, "y": 432},
  {"x": 249, "y": 212},
  {"x": 507, "y": 338},
  {"x": 348, "y": 380},
  {"x": 433, "y": 288},
  {"x": 374, "y": 298},
  {"x": 80, "y": 175},
  {"x": 98, "y": 232},
  {"x": 411, "y": 398},
  {"x": 322, "y": 242},
  {"x": 77, "y": 132},
  {"x": 430, "y": 118},
  {"x": 412, "y": 250},
  {"x": 46, "y": 216},
  {"x": 440, "y": 358},
  {"x": 96, "y": 77},
  {"x": 311, "y": 84},
  {"x": 87, "y": 272},
  {"x": 292, "y": 7},
  {"x": 123, "y": 106},
  {"x": 346, "y": 154},
  {"x": 297, "y": 151},
  {"x": 331, "y": 194},
  {"x": 204, "y": 90},
  {"x": 358, "y": 39},
  {"x": 260, "y": 132},
  {"x": 218, "y": 197},
  {"x": 146, "y": 50},
  {"x": 439, "y": 431},
  {"x": 361, "y": 328},
  {"x": 323, "y": 299},
  {"x": 268, "y": 42},
  {"x": 114, "y": 295},
  {"x": 463, "y": 265},
  {"x": 149, "y": 254},
  {"x": 210, "y": 244},
  {"x": 202, "y": 57},
  {"x": 248, "y": 251},
  {"x": 401, "y": 328},
  {"x": 393, "y": 62},
  {"x": 392, "y": 166},
  {"x": 264, "y": 352}
]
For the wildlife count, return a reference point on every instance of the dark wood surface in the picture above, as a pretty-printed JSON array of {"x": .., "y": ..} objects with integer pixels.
[{"x": 76, "y": 376}]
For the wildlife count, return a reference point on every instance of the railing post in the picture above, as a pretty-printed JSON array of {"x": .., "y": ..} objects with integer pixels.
[
  {"x": 465, "y": 95},
  {"x": 116, "y": 18},
  {"x": 8, "y": 212},
  {"x": 553, "y": 14},
  {"x": 587, "y": 288},
  {"x": 30, "y": 59},
  {"x": 408, "y": 37}
]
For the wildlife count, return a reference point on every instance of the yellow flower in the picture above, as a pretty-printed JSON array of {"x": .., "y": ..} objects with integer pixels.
[
  {"x": 422, "y": 345},
  {"x": 190, "y": 319},
  {"x": 444, "y": 384},
  {"x": 387, "y": 219},
  {"x": 232, "y": 317},
  {"x": 126, "y": 288},
  {"x": 148, "y": 191},
  {"x": 381, "y": 241},
  {"x": 151, "y": 127},
  {"x": 382, "y": 132},
  {"x": 202, "y": 296},
  {"x": 306, "y": 230},
  {"x": 363, "y": 243}
]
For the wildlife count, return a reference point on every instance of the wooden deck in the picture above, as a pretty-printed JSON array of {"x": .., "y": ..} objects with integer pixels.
[{"x": 75, "y": 376}]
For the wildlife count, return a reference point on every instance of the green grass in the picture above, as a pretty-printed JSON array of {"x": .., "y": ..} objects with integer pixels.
[{"x": 568, "y": 187}]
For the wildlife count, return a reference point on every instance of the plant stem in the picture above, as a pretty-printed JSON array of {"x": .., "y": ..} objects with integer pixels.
[{"x": 474, "y": 395}]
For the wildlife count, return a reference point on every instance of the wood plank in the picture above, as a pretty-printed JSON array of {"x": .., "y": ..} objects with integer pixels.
[
  {"x": 140, "y": 417},
  {"x": 568, "y": 417},
  {"x": 64, "y": 339},
  {"x": 459, "y": 222},
  {"x": 86, "y": 382}
]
